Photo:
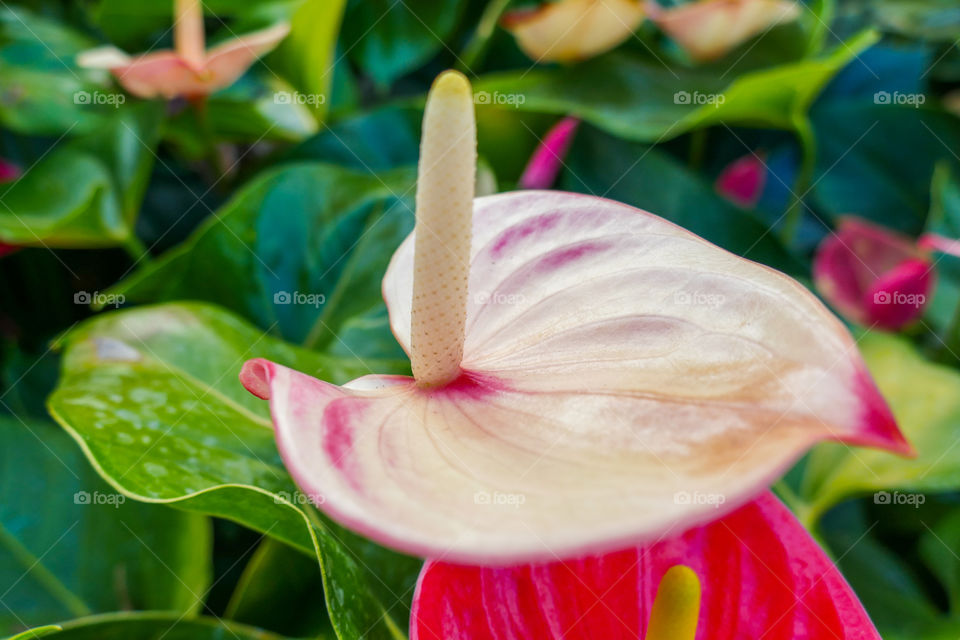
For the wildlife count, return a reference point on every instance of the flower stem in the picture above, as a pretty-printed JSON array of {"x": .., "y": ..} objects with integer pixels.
[{"x": 445, "y": 190}]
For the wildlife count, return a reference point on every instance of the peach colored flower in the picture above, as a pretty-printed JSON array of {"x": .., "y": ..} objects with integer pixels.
[
  {"x": 190, "y": 70},
  {"x": 572, "y": 30}
]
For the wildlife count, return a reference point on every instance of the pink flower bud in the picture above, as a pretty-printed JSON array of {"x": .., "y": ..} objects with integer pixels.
[{"x": 873, "y": 276}]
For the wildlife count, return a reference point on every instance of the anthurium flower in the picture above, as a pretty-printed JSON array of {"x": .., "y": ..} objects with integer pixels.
[
  {"x": 743, "y": 180},
  {"x": 571, "y": 30},
  {"x": 545, "y": 163},
  {"x": 755, "y": 573},
  {"x": 580, "y": 369},
  {"x": 872, "y": 275},
  {"x": 708, "y": 29},
  {"x": 190, "y": 70}
]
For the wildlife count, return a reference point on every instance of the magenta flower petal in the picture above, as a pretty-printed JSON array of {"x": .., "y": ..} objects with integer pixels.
[
  {"x": 743, "y": 180},
  {"x": 545, "y": 163},
  {"x": 613, "y": 363},
  {"x": 873, "y": 276},
  {"x": 762, "y": 576}
]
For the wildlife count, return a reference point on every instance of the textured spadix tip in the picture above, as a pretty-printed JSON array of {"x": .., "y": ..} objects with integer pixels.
[{"x": 450, "y": 84}]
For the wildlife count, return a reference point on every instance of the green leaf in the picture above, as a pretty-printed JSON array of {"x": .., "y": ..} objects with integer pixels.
[
  {"x": 151, "y": 625},
  {"x": 388, "y": 39},
  {"x": 309, "y": 229},
  {"x": 37, "y": 632},
  {"x": 643, "y": 100},
  {"x": 152, "y": 396},
  {"x": 307, "y": 53},
  {"x": 70, "y": 545},
  {"x": 279, "y": 590},
  {"x": 863, "y": 166},
  {"x": 925, "y": 399},
  {"x": 648, "y": 178},
  {"x": 884, "y": 581},
  {"x": 40, "y": 84},
  {"x": 86, "y": 192},
  {"x": 937, "y": 549}
]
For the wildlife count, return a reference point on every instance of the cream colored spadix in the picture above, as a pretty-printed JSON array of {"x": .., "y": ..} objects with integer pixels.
[
  {"x": 188, "y": 32},
  {"x": 445, "y": 189}
]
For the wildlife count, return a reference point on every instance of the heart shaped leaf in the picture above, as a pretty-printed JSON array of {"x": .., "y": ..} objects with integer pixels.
[{"x": 152, "y": 396}]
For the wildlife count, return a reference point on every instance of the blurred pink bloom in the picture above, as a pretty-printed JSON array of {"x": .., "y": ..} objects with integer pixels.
[
  {"x": 189, "y": 71},
  {"x": 571, "y": 30},
  {"x": 708, "y": 29},
  {"x": 547, "y": 160},
  {"x": 743, "y": 180},
  {"x": 8, "y": 171},
  {"x": 873, "y": 276}
]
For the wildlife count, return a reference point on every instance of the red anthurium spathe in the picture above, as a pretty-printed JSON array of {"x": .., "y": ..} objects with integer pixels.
[
  {"x": 743, "y": 180},
  {"x": 708, "y": 29},
  {"x": 571, "y": 30},
  {"x": 579, "y": 365},
  {"x": 760, "y": 575},
  {"x": 545, "y": 163},
  {"x": 874, "y": 276},
  {"x": 190, "y": 71}
]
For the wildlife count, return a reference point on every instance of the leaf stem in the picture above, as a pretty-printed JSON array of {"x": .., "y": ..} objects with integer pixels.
[
  {"x": 476, "y": 49},
  {"x": 41, "y": 574},
  {"x": 136, "y": 249},
  {"x": 808, "y": 162}
]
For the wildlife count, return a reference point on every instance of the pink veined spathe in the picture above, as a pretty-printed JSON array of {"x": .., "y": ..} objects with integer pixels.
[{"x": 612, "y": 360}]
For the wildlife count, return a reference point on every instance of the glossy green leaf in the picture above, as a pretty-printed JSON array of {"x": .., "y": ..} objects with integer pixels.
[
  {"x": 70, "y": 545},
  {"x": 300, "y": 231},
  {"x": 152, "y": 396},
  {"x": 643, "y": 100},
  {"x": 388, "y": 39},
  {"x": 650, "y": 179},
  {"x": 152, "y": 625},
  {"x": 925, "y": 399},
  {"x": 87, "y": 191}
]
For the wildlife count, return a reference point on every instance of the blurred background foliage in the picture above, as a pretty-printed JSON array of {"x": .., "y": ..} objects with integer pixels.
[{"x": 194, "y": 218}]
